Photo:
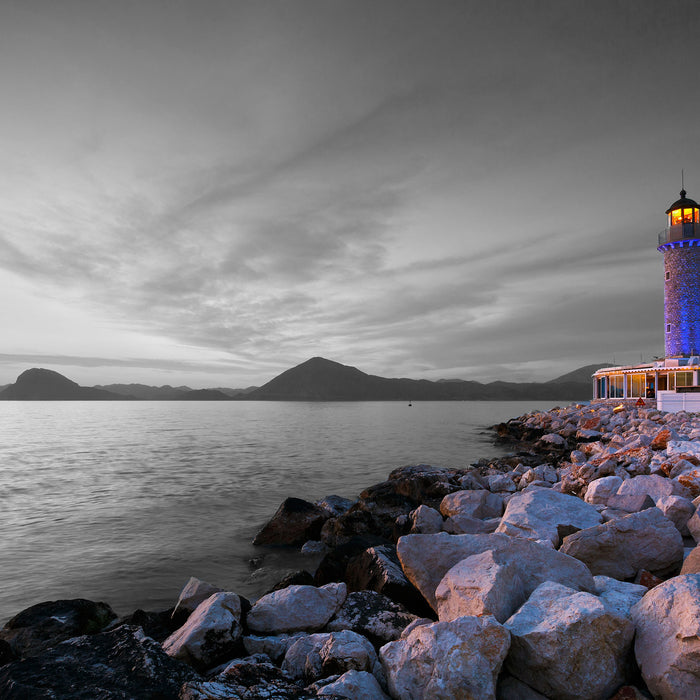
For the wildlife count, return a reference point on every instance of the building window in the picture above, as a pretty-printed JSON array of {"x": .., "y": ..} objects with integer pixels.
[
  {"x": 668, "y": 275},
  {"x": 616, "y": 386},
  {"x": 684, "y": 379},
  {"x": 668, "y": 328},
  {"x": 636, "y": 385}
]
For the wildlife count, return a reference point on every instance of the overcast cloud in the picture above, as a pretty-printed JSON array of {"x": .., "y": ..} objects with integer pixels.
[{"x": 208, "y": 192}]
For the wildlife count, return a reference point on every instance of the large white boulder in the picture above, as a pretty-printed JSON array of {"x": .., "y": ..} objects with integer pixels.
[
  {"x": 623, "y": 546},
  {"x": 354, "y": 685},
  {"x": 480, "y": 585},
  {"x": 296, "y": 608},
  {"x": 678, "y": 510},
  {"x": 652, "y": 485},
  {"x": 538, "y": 514},
  {"x": 600, "y": 490},
  {"x": 427, "y": 558},
  {"x": 194, "y": 593},
  {"x": 667, "y": 643},
  {"x": 567, "y": 645},
  {"x": 425, "y": 520},
  {"x": 210, "y": 634},
  {"x": 457, "y": 659},
  {"x": 473, "y": 504}
]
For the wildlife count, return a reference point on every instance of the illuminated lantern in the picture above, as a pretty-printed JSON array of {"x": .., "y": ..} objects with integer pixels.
[{"x": 680, "y": 245}]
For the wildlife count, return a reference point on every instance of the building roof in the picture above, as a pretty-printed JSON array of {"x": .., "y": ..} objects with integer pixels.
[{"x": 683, "y": 203}]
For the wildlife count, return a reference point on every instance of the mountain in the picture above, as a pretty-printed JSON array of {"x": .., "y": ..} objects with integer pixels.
[
  {"x": 582, "y": 374},
  {"x": 46, "y": 385},
  {"x": 145, "y": 392},
  {"x": 319, "y": 379}
]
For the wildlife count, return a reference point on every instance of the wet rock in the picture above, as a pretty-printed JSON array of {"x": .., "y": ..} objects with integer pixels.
[
  {"x": 296, "y": 608},
  {"x": 293, "y": 578},
  {"x": 295, "y": 522},
  {"x": 427, "y": 558},
  {"x": 667, "y": 643},
  {"x": 372, "y": 615},
  {"x": 156, "y": 625},
  {"x": 44, "y": 625},
  {"x": 121, "y": 663},
  {"x": 538, "y": 513},
  {"x": 480, "y": 585},
  {"x": 335, "y": 505},
  {"x": 566, "y": 644},
  {"x": 621, "y": 547},
  {"x": 457, "y": 659},
  {"x": 333, "y": 567},
  {"x": 211, "y": 633}
]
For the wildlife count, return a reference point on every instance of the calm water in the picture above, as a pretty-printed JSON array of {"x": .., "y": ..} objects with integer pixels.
[{"x": 124, "y": 501}]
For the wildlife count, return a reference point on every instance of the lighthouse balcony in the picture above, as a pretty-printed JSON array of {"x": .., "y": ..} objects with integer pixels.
[{"x": 680, "y": 232}]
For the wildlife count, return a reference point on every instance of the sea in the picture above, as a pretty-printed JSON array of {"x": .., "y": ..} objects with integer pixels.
[{"x": 122, "y": 502}]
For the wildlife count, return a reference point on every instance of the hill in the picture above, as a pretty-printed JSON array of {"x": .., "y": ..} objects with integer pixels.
[
  {"x": 319, "y": 379},
  {"x": 46, "y": 385}
]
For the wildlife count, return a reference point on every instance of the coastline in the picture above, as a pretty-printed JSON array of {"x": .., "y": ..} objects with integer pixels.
[{"x": 578, "y": 473}]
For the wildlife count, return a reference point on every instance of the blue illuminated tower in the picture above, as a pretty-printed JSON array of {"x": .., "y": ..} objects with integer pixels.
[{"x": 680, "y": 245}]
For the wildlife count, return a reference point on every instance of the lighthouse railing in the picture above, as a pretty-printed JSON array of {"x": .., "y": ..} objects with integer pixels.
[{"x": 680, "y": 232}]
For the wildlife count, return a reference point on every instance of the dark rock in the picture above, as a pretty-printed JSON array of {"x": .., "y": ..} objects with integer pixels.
[
  {"x": 247, "y": 681},
  {"x": 378, "y": 569},
  {"x": 6, "y": 653},
  {"x": 333, "y": 566},
  {"x": 156, "y": 625},
  {"x": 372, "y": 615},
  {"x": 46, "y": 624},
  {"x": 115, "y": 665},
  {"x": 335, "y": 505},
  {"x": 295, "y": 578},
  {"x": 295, "y": 522},
  {"x": 356, "y": 522}
]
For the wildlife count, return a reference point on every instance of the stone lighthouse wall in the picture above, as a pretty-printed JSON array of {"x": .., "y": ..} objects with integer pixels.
[{"x": 682, "y": 299}]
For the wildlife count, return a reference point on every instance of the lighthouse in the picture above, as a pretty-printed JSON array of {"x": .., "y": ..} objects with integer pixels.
[
  {"x": 672, "y": 383},
  {"x": 680, "y": 245}
]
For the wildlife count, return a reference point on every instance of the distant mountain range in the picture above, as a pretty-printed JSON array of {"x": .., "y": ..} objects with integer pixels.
[{"x": 316, "y": 379}]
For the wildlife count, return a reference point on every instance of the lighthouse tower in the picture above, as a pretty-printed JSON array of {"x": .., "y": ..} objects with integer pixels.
[{"x": 680, "y": 245}]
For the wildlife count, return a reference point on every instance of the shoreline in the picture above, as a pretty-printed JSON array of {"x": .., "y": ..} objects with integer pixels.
[{"x": 398, "y": 550}]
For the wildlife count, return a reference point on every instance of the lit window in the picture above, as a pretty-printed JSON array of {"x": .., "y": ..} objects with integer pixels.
[{"x": 684, "y": 379}]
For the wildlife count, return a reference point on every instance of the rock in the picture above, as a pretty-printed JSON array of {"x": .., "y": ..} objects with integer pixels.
[
  {"x": 246, "y": 680},
  {"x": 194, "y": 593},
  {"x": 293, "y": 578},
  {"x": 325, "y": 654},
  {"x": 456, "y": 659},
  {"x": 335, "y": 505},
  {"x": 378, "y": 569},
  {"x": 630, "y": 503},
  {"x": 501, "y": 483},
  {"x": 333, "y": 567},
  {"x": 295, "y": 522},
  {"x": 372, "y": 615},
  {"x": 618, "y": 596},
  {"x": 567, "y": 645},
  {"x": 156, "y": 625},
  {"x": 683, "y": 447},
  {"x": 691, "y": 564},
  {"x": 537, "y": 515},
  {"x": 315, "y": 548},
  {"x": 473, "y": 504},
  {"x": 652, "y": 485},
  {"x": 296, "y": 608},
  {"x": 693, "y": 525},
  {"x": 601, "y": 489},
  {"x": 510, "y": 688},
  {"x": 274, "y": 646},
  {"x": 621, "y": 547},
  {"x": 211, "y": 633},
  {"x": 6, "y": 653},
  {"x": 660, "y": 441},
  {"x": 355, "y": 685},
  {"x": 678, "y": 510},
  {"x": 667, "y": 644},
  {"x": 427, "y": 558},
  {"x": 480, "y": 585},
  {"x": 425, "y": 519},
  {"x": 553, "y": 439},
  {"x": 464, "y": 525},
  {"x": 44, "y": 625},
  {"x": 121, "y": 663}
]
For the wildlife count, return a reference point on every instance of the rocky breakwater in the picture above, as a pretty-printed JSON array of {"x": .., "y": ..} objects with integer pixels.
[{"x": 567, "y": 570}]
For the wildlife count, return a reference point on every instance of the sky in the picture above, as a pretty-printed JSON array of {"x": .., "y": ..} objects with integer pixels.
[{"x": 208, "y": 192}]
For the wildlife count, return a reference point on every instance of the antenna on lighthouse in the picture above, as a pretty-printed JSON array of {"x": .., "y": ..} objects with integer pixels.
[{"x": 682, "y": 179}]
